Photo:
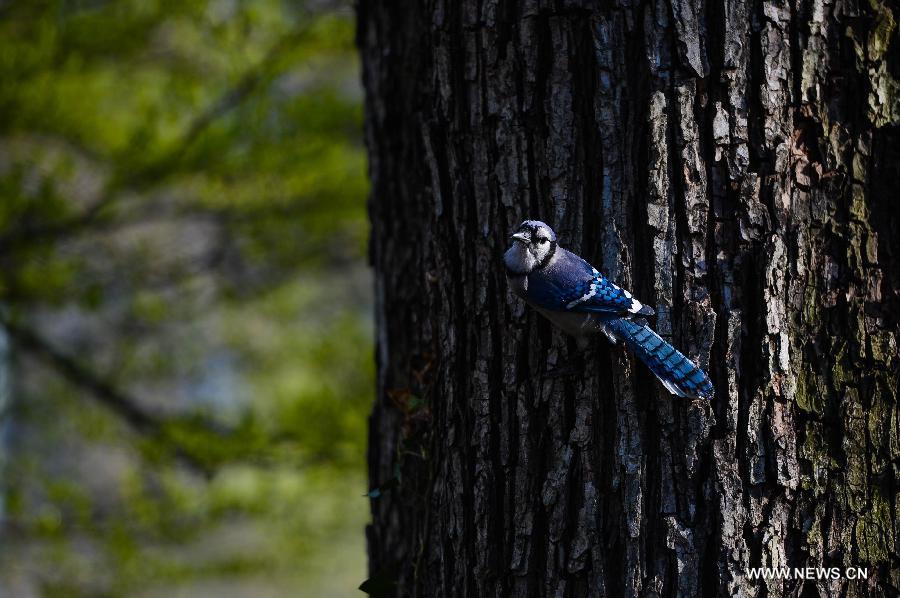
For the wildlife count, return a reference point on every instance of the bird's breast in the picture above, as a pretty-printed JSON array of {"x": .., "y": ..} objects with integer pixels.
[
  {"x": 518, "y": 284},
  {"x": 577, "y": 324}
]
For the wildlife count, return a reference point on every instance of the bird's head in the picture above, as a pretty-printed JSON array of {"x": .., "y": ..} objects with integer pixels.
[{"x": 533, "y": 246}]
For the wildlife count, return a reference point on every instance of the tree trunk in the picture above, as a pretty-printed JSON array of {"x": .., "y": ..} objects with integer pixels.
[{"x": 735, "y": 165}]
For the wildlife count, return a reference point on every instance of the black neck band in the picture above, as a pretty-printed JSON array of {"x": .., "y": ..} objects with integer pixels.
[{"x": 547, "y": 257}]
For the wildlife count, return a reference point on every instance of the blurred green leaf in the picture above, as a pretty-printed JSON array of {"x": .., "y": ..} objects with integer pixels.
[{"x": 182, "y": 212}]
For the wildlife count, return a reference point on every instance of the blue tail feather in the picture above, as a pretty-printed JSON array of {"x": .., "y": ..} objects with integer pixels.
[{"x": 677, "y": 373}]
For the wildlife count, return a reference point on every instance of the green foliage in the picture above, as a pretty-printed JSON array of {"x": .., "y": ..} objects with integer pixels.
[{"x": 182, "y": 233}]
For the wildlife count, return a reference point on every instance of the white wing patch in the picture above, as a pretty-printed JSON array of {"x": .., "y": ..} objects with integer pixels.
[
  {"x": 636, "y": 305},
  {"x": 583, "y": 298},
  {"x": 591, "y": 292}
]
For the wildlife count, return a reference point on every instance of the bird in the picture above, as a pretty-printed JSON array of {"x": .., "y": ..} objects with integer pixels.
[{"x": 581, "y": 301}]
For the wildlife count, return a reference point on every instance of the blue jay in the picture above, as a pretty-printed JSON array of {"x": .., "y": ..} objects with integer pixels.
[{"x": 576, "y": 297}]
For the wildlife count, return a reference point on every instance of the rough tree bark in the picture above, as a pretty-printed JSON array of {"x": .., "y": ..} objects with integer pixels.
[{"x": 735, "y": 164}]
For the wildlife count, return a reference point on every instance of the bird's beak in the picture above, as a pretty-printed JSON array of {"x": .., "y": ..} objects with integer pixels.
[{"x": 523, "y": 237}]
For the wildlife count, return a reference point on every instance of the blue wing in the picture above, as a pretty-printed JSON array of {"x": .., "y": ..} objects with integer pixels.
[
  {"x": 599, "y": 295},
  {"x": 577, "y": 286}
]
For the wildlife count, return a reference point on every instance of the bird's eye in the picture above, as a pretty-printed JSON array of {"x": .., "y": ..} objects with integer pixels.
[{"x": 543, "y": 240}]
